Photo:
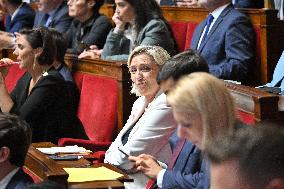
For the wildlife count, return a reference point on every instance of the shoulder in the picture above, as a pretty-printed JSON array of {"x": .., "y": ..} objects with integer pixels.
[
  {"x": 19, "y": 180},
  {"x": 155, "y": 23}
]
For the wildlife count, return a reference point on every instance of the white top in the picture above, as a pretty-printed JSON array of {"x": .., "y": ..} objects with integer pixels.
[
  {"x": 4, "y": 182},
  {"x": 149, "y": 135}
]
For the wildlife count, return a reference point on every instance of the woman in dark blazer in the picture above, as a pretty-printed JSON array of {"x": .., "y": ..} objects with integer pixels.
[
  {"x": 89, "y": 27},
  {"x": 41, "y": 95},
  {"x": 137, "y": 22}
]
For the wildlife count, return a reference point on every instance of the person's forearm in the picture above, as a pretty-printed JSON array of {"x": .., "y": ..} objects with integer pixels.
[{"x": 6, "y": 103}]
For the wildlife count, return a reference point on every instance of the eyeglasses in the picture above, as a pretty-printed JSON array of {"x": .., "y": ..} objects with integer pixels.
[{"x": 141, "y": 68}]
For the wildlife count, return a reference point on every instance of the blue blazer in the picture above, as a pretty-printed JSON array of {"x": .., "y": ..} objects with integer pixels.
[
  {"x": 186, "y": 172},
  {"x": 229, "y": 48},
  {"x": 278, "y": 75},
  {"x": 23, "y": 19},
  {"x": 61, "y": 20},
  {"x": 248, "y": 4},
  {"x": 20, "y": 180}
]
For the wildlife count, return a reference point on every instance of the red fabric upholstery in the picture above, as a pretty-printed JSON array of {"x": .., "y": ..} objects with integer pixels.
[
  {"x": 190, "y": 29},
  {"x": 98, "y": 107},
  {"x": 97, "y": 111},
  {"x": 35, "y": 178},
  {"x": 78, "y": 79},
  {"x": 179, "y": 31},
  {"x": 13, "y": 76},
  {"x": 247, "y": 118}
]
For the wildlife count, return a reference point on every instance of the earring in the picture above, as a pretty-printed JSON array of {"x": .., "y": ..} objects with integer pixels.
[{"x": 34, "y": 64}]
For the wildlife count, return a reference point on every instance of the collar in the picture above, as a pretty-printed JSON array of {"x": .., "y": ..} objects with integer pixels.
[
  {"x": 5, "y": 181},
  {"x": 217, "y": 12},
  {"x": 53, "y": 11},
  {"x": 90, "y": 21},
  {"x": 16, "y": 11}
]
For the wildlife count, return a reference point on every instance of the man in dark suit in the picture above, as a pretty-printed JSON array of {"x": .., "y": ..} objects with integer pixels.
[
  {"x": 186, "y": 167},
  {"x": 248, "y": 3},
  {"x": 19, "y": 15},
  {"x": 15, "y": 139},
  {"x": 250, "y": 158},
  {"x": 54, "y": 14},
  {"x": 226, "y": 40}
]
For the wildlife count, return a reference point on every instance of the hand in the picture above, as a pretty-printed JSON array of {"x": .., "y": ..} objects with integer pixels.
[
  {"x": 146, "y": 164},
  {"x": 119, "y": 24},
  {"x": 187, "y": 3},
  {"x": 91, "y": 54}
]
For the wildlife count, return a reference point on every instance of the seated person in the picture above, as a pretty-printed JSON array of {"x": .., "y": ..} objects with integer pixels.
[
  {"x": 89, "y": 27},
  {"x": 248, "y": 3},
  {"x": 41, "y": 95},
  {"x": 19, "y": 15},
  {"x": 137, "y": 22},
  {"x": 227, "y": 43},
  {"x": 51, "y": 13},
  {"x": 183, "y": 170},
  {"x": 251, "y": 158},
  {"x": 278, "y": 75},
  {"x": 151, "y": 123},
  {"x": 61, "y": 67},
  {"x": 15, "y": 139},
  {"x": 179, "y": 3},
  {"x": 193, "y": 100}
]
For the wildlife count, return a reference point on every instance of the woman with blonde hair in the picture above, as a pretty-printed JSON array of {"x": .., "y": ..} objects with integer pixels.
[
  {"x": 203, "y": 107},
  {"x": 151, "y": 122}
]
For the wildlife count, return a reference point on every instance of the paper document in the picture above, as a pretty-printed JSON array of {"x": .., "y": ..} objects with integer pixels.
[
  {"x": 65, "y": 149},
  {"x": 91, "y": 174}
]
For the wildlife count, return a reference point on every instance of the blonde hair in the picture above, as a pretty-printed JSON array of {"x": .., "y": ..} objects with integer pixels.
[
  {"x": 159, "y": 55},
  {"x": 208, "y": 96}
]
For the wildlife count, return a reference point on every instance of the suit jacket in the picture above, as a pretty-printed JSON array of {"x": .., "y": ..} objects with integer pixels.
[
  {"x": 95, "y": 32},
  {"x": 168, "y": 2},
  {"x": 19, "y": 180},
  {"x": 61, "y": 20},
  {"x": 186, "y": 172},
  {"x": 248, "y": 4},
  {"x": 23, "y": 19},
  {"x": 117, "y": 46},
  {"x": 149, "y": 135},
  {"x": 278, "y": 75},
  {"x": 229, "y": 48}
]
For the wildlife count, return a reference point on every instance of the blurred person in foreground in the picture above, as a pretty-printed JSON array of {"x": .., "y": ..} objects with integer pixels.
[
  {"x": 15, "y": 139},
  {"x": 251, "y": 158}
]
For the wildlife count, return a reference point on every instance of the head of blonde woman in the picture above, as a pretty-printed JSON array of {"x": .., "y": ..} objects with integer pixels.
[
  {"x": 144, "y": 64},
  {"x": 203, "y": 107}
]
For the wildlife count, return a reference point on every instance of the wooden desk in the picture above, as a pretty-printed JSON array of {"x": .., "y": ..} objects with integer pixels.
[
  {"x": 45, "y": 168},
  {"x": 261, "y": 105}
]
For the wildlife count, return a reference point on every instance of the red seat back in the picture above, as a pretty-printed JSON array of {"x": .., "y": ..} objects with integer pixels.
[
  {"x": 13, "y": 76},
  {"x": 98, "y": 107},
  {"x": 246, "y": 117},
  {"x": 190, "y": 29},
  {"x": 179, "y": 31}
]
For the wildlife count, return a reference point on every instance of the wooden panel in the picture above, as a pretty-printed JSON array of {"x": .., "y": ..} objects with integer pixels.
[
  {"x": 45, "y": 168},
  {"x": 260, "y": 104}
]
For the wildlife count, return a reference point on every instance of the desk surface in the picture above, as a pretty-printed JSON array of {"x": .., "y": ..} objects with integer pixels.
[{"x": 85, "y": 163}]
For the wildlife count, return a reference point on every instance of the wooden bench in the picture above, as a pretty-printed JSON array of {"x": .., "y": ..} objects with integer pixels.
[{"x": 254, "y": 105}]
